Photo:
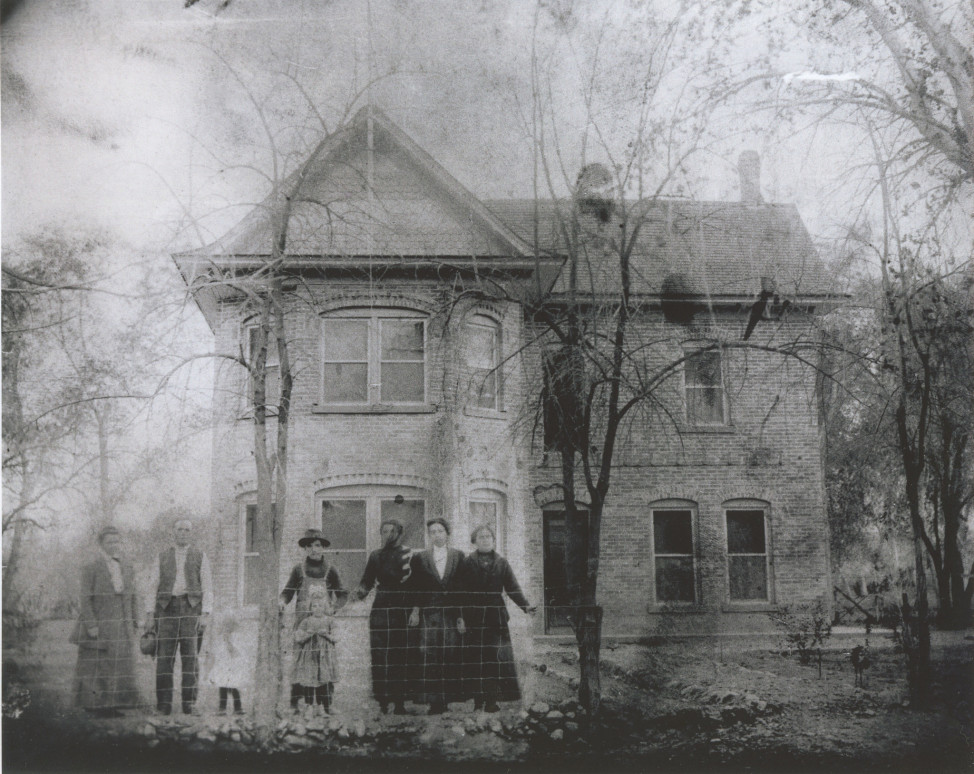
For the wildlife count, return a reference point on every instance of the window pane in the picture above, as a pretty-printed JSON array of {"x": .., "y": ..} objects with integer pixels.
[
  {"x": 250, "y": 525},
  {"x": 705, "y": 405},
  {"x": 412, "y": 515},
  {"x": 483, "y": 388},
  {"x": 674, "y": 579},
  {"x": 484, "y": 513},
  {"x": 402, "y": 339},
  {"x": 350, "y": 566},
  {"x": 251, "y": 573},
  {"x": 346, "y": 339},
  {"x": 672, "y": 532},
  {"x": 402, "y": 382},
  {"x": 345, "y": 383},
  {"x": 748, "y": 577},
  {"x": 343, "y": 522},
  {"x": 703, "y": 369},
  {"x": 481, "y": 347},
  {"x": 745, "y": 532}
]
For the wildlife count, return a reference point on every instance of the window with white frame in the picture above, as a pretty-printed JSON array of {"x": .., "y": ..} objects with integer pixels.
[
  {"x": 673, "y": 554},
  {"x": 249, "y": 578},
  {"x": 487, "y": 507},
  {"x": 351, "y": 517},
  {"x": 371, "y": 358},
  {"x": 272, "y": 379},
  {"x": 483, "y": 355},
  {"x": 747, "y": 553},
  {"x": 703, "y": 381}
]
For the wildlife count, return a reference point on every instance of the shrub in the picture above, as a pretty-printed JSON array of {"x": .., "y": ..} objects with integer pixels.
[{"x": 805, "y": 627}]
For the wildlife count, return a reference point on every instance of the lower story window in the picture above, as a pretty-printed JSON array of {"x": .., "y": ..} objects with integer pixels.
[
  {"x": 673, "y": 555},
  {"x": 747, "y": 555},
  {"x": 351, "y": 517},
  {"x": 249, "y": 591}
]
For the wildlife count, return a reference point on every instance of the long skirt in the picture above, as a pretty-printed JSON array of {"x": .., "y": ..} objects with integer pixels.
[
  {"x": 489, "y": 670},
  {"x": 440, "y": 651},
  {"x": 389, "y": 640},
  {"x": 315, "y": 663},
  {"x": 105, "y": 673}
]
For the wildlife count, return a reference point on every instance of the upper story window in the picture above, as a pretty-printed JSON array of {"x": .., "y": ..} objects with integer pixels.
[
  {"x": 483, "y": 354},
  {"x": 703, "y": 380},
  {"x": 272, "y": 370},
  {"x": 371, "y": 358}
]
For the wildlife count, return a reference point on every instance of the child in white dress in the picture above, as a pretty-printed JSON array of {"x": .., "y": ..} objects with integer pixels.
[{"x": 230, "y": 659}]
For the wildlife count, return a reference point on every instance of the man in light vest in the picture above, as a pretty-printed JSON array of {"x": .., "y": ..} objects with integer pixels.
[{"x": 183, "y": 588}]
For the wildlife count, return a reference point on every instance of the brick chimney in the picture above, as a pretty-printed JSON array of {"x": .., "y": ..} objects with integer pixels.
[{"x": 749, "y": 167}]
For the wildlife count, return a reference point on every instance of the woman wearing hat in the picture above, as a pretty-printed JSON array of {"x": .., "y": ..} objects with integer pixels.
[
  {"x": 314, "y": 573},
  {"x": 387, "y": 571},
  {"x": 106, "y": 631}
]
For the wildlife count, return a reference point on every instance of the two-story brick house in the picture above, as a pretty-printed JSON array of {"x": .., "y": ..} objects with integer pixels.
[{"x": 414, "y": 397}]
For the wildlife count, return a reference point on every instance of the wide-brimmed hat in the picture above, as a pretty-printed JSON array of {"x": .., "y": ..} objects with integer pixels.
[{"x": 310, "y": 536}]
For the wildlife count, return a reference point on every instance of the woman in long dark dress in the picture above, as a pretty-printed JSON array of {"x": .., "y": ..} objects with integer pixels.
[
  {"x": 387, "y": 571},
  {"x": 106, "y": 631},
  {"x": 489, "y": 663},
  {"x": 437, "y": 586}
]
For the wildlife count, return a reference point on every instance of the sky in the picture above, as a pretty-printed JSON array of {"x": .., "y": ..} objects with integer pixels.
[{"x": 142, "y": 118}]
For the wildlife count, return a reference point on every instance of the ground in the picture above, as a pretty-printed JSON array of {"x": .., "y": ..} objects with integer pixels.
[{"x": 739, "y": 704}]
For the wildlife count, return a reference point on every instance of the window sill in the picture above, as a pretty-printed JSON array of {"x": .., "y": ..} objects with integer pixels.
[
  {"x": 379, "y": 408},
  {"x": 748, "y": 607},
  {"x": 709, "y": 429},
  {"x": 484, "y": 413},
  {"x": 689, "y": 608}
]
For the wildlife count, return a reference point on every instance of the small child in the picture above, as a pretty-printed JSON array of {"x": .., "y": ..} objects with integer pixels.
[
  {"x": 230, "y": 660},
  {"x": 316, "y": 663}
]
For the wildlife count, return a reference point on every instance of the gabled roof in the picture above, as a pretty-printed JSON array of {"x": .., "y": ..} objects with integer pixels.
[
  {"x": 369, "y": 195},
  {"x": 368, "y": 190}
]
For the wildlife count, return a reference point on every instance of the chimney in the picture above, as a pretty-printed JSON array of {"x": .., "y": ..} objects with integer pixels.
[{"x": 749, "y": 167}]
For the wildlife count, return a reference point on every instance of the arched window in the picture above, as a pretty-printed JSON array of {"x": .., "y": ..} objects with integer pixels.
[
  {"x": 748, "y": 555},
  {"x": 373, "y": 357},
  {"x": 703, "y": 382},
  {"x": 483, "y": 356},
  {"x": 488, "y": 506},
  {"x": 350, "y": 517},
  {"x": 674, "y": 543}
]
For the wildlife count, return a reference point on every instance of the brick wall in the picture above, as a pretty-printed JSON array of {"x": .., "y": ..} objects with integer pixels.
[{"x": 769, "y": 451}]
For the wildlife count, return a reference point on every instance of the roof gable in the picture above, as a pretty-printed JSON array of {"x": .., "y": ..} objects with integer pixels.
[{"x": 368, "y": 190}]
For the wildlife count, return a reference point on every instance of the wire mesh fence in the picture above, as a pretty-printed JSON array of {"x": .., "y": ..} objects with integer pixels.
[{"x": 417, "y": 657}]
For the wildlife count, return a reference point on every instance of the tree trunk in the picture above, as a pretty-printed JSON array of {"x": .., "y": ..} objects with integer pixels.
[{"x": 588, "y": 633}]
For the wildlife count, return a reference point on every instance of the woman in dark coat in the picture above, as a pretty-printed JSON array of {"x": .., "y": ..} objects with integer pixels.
[
  {"x": 489, "y": 659},
  {"x": 387, "y": 571},
  {"x": 106, "y": 631},
  {"x": 437, "y": 587}
]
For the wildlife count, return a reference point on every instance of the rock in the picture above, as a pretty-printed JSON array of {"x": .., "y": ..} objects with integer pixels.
[
  {"x": 153, "y": 742},
  {"x": 523, "y": 715},
  {"x": 359, "y": 728},
  {"x": 334, "y": 724},
  {"x": 761, "y": 705},
  {"x": 187, "y": 731},
  {"x": 343, "y": 733},
  {"x": 282, "y": 726},
  {"x": 235, "y": 736},
  {"x": 457, "y": 730},
  {"x": 299, "y": 729},
  {"x": 571, "y": 727},
  {"x": 539, "y": 708},
  {"x": 569, "y": 714},
  {"x": 558, "y": 734},
  {"x": 206, "y": 735},
  {"x": 495, "y": 725},
  {"x": 293, "y": 740},
  {"x": 148, "y": 730},
  {"x": 554, "y": 715},
  {"x": 573, "y": 683}
]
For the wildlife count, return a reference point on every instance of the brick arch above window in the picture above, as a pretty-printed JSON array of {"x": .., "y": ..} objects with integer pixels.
[
  {"x": 677, "y": 492},
  {"x": 374, "y": 479},
  {"x": 383, "y": 300}
]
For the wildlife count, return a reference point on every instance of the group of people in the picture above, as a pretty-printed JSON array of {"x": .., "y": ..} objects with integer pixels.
[{"x": 438, "y": 625}]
